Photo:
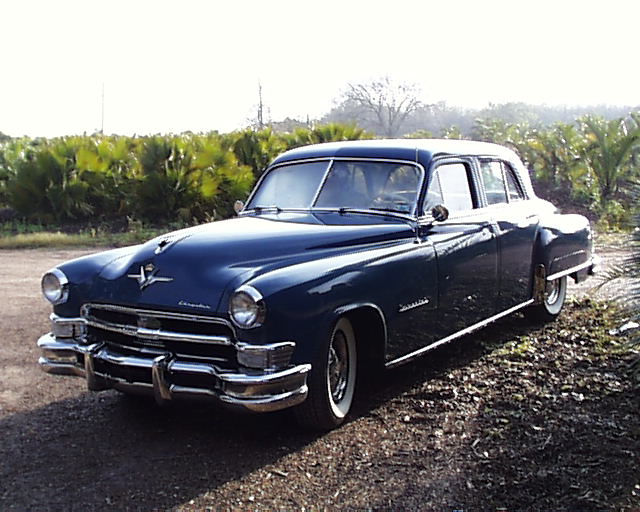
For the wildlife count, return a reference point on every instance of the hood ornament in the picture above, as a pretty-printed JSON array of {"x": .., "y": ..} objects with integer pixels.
[{"x": 148, "y": 276}]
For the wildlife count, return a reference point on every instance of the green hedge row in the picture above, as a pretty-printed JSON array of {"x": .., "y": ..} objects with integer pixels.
[
  {"x": 157, "y": 179},
  {"x": 585, "y": 166}
]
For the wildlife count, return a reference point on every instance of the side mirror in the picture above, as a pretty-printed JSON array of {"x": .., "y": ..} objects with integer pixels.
[
  {"x": 238, "y": 206},
  {"x": 440, "y": 213}
]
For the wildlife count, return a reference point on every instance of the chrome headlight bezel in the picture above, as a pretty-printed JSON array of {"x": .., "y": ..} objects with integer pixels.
[
  {"x": 247, "y": 309},
  {"x": 55, "y": 286}
]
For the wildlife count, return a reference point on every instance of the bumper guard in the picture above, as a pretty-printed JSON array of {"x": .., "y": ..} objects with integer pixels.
[{"x": 254, "y": 390}]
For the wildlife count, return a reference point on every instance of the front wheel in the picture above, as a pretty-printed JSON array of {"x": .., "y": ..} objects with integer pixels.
[
  {"x": 332, "y": 381},
  {"x": 554, "y": 297}
]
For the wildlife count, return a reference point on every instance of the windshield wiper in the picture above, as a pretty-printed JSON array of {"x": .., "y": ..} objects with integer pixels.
[
  {"x": 394, "y": 210},
  {"x": 372, "y": 211},
  {"x": 260, "y": 209}
]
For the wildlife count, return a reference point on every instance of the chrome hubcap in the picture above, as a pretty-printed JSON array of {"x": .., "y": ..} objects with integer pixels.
[
  {"x": 338, "y": 367},
  {"x": 553, "y": 291}
]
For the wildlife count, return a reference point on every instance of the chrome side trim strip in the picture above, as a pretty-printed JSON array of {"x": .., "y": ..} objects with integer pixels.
[
  {"x": 571, "y": 270},
  {"x": 406, "y": 358}
]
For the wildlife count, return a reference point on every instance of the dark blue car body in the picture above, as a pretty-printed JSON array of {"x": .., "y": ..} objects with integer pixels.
[{"x": 405, "y": 280}]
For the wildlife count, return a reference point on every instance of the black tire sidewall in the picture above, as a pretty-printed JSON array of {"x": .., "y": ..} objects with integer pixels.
[
  {"x": 555, "y": 308},
  {"x": 317, "y": 411}
]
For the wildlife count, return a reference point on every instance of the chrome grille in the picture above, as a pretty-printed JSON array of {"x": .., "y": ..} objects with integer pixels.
[{"x": 153, "y": 332}]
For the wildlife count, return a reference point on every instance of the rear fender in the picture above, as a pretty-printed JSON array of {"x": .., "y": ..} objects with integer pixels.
[{"x": 563, "y": 246}]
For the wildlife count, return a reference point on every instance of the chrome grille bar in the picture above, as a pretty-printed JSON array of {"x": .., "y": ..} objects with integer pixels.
[
  {"x": 156, "y": 335},
  {"x": 169, "y": 315}
]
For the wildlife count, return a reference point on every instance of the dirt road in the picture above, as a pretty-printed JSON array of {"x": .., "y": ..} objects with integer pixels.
[{"x": 484, "y": 423}]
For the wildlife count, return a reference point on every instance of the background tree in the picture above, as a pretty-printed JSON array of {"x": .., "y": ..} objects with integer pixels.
[
  {"x": 256, "y": 148},
  {"x": 561, "y": 172},
  {"x": 385, "y": 102},
  {"x": 609, "y": 152}
]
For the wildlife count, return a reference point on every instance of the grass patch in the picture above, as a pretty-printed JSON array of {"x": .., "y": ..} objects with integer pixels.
[
  {"x": 88, "y": 239},
  {"x": 43, "y": 239},
  {"x": 19, "y": 234}
]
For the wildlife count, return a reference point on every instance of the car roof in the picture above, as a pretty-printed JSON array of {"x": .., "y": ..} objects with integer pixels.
[{"x": 414, "y": 150}]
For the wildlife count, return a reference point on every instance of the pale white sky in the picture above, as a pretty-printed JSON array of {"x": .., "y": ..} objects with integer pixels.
[{"x": 195, "y": 65}]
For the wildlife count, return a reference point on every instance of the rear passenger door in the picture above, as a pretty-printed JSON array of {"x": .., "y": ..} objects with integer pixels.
[
  {"x": 515, "y": 225},
  {"x": 465, "y": 246}
]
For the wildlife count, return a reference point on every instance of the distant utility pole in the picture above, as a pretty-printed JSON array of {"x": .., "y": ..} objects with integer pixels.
[
  {"x": 260, "y": 108},
  {"x": 102, "y": 119}
]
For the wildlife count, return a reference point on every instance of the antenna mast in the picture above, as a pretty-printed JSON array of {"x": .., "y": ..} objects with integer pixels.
[{"x": 260, "y": 108}]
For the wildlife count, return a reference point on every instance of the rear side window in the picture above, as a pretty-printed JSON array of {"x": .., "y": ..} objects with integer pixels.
[
  {"x": 513, "y": 189},
  {"x": 493, "y": 179},
  {"x": 500, "y": 183},
  {"x": 450, "y": 186}
]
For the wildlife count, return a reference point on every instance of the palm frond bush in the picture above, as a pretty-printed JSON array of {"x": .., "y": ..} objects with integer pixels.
[
  {"x": 629, "y": 271},
  {"x": 632, "y": 265}
]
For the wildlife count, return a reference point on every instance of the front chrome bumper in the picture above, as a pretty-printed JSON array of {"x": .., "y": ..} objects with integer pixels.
[{"x": 167, "y": 377}]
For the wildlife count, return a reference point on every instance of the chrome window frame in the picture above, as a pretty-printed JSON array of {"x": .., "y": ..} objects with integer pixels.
[
  {"x": 506, "y": 167},
  {"x": 474, "y": 187}
]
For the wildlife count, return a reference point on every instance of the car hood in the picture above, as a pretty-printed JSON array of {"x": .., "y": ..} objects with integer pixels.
[{"x": 191, "y": 268}]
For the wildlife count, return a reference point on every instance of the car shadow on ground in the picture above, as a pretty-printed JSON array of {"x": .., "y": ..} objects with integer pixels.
[
  {"x": 437, "y": 363},
  {"x": 106, "y": 451}
]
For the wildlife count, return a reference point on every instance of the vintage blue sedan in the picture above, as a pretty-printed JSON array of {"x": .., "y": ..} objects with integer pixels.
[{"x": 347, "y": 258}]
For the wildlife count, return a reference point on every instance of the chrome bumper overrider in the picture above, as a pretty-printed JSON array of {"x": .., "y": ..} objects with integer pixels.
[{"x": 255, "y": 390}]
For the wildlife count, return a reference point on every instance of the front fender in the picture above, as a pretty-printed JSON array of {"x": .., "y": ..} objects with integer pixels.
[{"x": 303, "y": 301}]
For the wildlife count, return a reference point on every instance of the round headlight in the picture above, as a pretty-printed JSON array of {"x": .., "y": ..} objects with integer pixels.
[
  {"x": 247, "y": 308},
  {"x": 55, "y": 286}
]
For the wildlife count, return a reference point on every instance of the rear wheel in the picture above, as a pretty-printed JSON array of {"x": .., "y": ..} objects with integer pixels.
[
  {"x": 332, "y": 381},
  {"x": 554, "y": 297}
]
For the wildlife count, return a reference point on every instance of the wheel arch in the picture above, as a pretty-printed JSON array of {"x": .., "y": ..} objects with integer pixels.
[{"x": 370, "y": 329}]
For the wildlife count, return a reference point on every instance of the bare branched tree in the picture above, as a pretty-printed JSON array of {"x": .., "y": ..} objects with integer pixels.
[{"x": 388, "y": 102}]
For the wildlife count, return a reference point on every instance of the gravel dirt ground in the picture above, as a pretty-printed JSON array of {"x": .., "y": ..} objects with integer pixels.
[{"x": 516, "y": 417}]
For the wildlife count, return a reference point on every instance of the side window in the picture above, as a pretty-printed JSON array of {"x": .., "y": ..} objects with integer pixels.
[
  {"x": 493, "y": 182},
  {"x": 515, "y": 194},
  {"x": 450, "y": 186}
]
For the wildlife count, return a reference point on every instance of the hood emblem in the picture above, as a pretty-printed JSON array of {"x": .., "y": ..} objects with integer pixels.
[{"x": 147, "y": 276}]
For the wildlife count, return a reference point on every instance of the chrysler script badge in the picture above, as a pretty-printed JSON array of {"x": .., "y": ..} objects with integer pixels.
[{"x": 147, "y": 276}]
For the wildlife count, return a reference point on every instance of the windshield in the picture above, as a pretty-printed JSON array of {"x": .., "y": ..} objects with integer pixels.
[{"x": 361, "y": 185}]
